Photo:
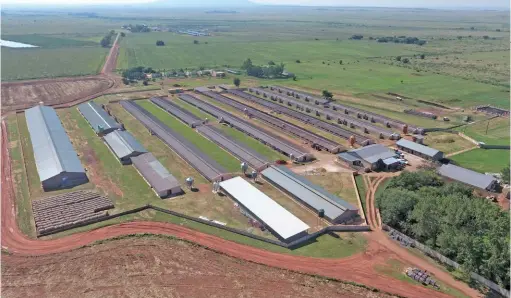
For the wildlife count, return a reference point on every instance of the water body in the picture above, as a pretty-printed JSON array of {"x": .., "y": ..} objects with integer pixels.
[{"x": 14, "y": 44}]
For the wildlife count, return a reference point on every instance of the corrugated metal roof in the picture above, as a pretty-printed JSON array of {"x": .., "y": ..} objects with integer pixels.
[
  {"x": 390, "y": 161},
  {"x": 97, "y": 117},
  {"x": 52, "y": 148},
  {"x": 466, "y": 176},
  {"x": 154, "y": 172},
  {"x": 372, "y": 153},
  {"x": 281, "y": 221},
  {"x": 315, "y": 196},
  {"x": 348, "y": 157},
  {"x": 123, "y": 143},
  {"x": 431, "y": 152}
]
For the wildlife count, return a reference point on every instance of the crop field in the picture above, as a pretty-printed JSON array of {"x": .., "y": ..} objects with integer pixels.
[
  {"x": 447, "y": 142},
  {"x": 483, "y": 160}
]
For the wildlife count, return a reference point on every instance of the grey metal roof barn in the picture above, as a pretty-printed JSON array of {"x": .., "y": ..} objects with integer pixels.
[
  {"x": 419, "y": 149},
  {"x": 283, "y": 223},
  {"x": 98, "y": 118},
  {"x": 163, "y": 183},
  {"x": 373, "y": 156},
  {"x": 56, "y": 160},
  {"x": 315, "y": 197},
  {"x": 467, "y": 176},
  {"x": 124, "y": 145}
]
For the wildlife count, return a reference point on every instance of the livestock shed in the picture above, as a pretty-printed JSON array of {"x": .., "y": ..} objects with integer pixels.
[
  {"x": 98, "y": 118},
  {"x": 156, "y": 175},
  {"x": 420, "y": 150},
  {"x": 336, "y": 210},
  {"x": 56, "y": 161},
  {"x": 375, "y": 157},
  {"x": 469, "y": 177},
  {"x": 282, "y": 223},
  {"x": 124, "y": 145}
]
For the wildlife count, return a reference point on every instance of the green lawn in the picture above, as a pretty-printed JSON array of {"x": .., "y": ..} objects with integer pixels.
[
  {"x": 23, "y": 206},
  {"x": 222, "y": 157},
  {"x": 22, "y": 64},
  {"x": 483, "y": 160},
  {"x": 362, "y": 191},
  {"x": 498, "y": 131},
  {"x": 447, "y": 142}
]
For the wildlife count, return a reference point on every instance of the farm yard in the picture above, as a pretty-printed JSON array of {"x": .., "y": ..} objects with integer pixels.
[{"x": 163, "y": 85}]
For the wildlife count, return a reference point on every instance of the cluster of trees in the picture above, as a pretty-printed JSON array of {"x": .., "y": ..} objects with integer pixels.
[
  {"x": 160, "y": 43},
  {"x": 136, "y": 73},
  {"x": 449, "y": 218},
  {"x": 138, "y": 28},
  {"x": 357, "y": 37},
  {"x": 108, "y": 39},
  {"x": 266, "y": 71},
  {"x": 402, "y": 39}
]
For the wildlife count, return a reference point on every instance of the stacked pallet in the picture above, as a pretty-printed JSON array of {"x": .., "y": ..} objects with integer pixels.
[{"x": 69, "y": 210}]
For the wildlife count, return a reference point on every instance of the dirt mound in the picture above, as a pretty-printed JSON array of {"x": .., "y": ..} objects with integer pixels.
[
  {"x": 152, "y": 266},
  {"x": 54, "y": 92}
]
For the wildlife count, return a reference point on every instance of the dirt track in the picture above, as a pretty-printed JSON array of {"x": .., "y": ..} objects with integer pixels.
[{"x": 358, "y": 268}]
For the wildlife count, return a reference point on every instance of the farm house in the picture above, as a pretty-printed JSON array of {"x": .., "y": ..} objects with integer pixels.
[
  {"x": 56, "y": 160},
  {"x": 469, "y": 177},
  {"x": 98, "y": 118},
  {"x": 156, "y": 175},
  {"x": 316, "y": 198},
  {"x": 420, "y": 150},
  {"x": 375, "y": 157},
  {"x": 123, "y": 145},
  {"x": 278, "y": 220}
]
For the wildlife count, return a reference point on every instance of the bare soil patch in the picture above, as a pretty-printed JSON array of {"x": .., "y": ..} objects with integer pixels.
[
  {"x": 22, "y": 95},
  {"x": 151, "y": 266}
]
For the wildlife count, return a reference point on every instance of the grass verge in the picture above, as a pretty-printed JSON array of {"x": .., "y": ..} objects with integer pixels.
[{"x": 483, "y": 160}]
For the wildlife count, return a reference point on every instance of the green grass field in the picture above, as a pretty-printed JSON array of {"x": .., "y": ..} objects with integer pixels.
[
  {"x": 492, "y": 132},
  {"x": 483, "y": 160},
  {"x": 223, "y": 158},
  {"x": 24, "y": 64},
  {"x": 447, "y": 142},
  {"x": 362, "y": 191}
]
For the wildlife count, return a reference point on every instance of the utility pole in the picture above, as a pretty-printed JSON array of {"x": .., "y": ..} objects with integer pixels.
[{"x": 487, "y": 125}]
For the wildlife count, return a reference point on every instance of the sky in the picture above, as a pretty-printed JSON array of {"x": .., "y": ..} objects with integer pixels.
[{"x": 378, "y": 3}]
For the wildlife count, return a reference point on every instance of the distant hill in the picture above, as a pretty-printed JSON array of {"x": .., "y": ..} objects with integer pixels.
[{"x": 203, "y": 4}]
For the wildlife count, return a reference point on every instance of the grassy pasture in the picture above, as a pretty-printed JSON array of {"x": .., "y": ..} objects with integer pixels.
[
  {"x": 23, "y": 64},
  {"x": 483, "y": 160},
  {"x": 447, "y": 142},
  {"x": 498, "y": 131},
  {"x": 49, "y": 41}
]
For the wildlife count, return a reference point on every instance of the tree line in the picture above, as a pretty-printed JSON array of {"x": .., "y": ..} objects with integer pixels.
[
  {"x": 394, "y": 39},
  {"x": 108, "y": 39},
  {"x": 449, "y": 218},
  {"x": 271, "y": 70}
]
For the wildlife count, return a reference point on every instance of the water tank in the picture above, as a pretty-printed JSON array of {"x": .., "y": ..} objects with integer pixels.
[
  {"x": 244, "y": 167},
  {"x": 291, "y": 157},
  {"x": 405, "y": 129},
  {"x": 254, "y": 175},
  {"x": 352, "y": 140},
  {"x": 189, "y": 182}
]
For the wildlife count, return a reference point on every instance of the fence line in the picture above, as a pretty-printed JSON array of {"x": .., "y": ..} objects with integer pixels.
[
  {"x": 290, "y": 245},
  {"x": 443, "y": 259}
]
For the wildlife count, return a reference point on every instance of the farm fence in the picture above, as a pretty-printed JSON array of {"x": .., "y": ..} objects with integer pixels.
[{"x": 443, "y": 259}]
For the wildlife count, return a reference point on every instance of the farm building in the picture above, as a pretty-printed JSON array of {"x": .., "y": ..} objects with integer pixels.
[
  {"x": 98, "y": 118},
  {"x": 57, "y": 163},
  {"x": 123, "y": 145},
  {"x": 336, "y": 210},
  {"x": 218, "y": 74},
  {"x": 156, "y": 175},
  {"x": 419, "y": 150},
  {"x": 375, "y": 157},
  {"x": 278, "y": 220},
  {"x": 469, "y": 177},
  {"x": 176, "y": 90}
]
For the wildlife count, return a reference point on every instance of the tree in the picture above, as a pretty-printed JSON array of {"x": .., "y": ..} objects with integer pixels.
[
  {"x": 340, "y": 62},
  {"x": 195, "y": 42},
  {"x": 160, "y": 43},
  {"x": 271, "y": 63},
  {"x": 125, "y": 81},
  {"x": 422, "y": 56},
  {"x": 298, "y": 61},
  {"x": 294, "y": 78},
  {"x": 123, "y": 34},
  {"x": 146, "y": 82},
  {"x": 406, "y": 60},
  {"x": 486, "y": 37},
  {"x": 357, "y": 37},
  {"x": 247, "y": 64},
  {"x": 237, "y": 82},
  {"x": 327, "y": 94},
  {"x": 505, "y": 174},
  {"x": 398, "y": 58}
]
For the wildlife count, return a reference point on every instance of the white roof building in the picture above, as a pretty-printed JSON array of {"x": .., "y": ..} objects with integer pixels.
[{"x": 285, "y": 225}]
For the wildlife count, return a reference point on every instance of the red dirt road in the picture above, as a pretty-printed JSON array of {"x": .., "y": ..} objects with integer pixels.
[
  {"x": 111, "y": 59},
  {"x": 358, "y": 268}
]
